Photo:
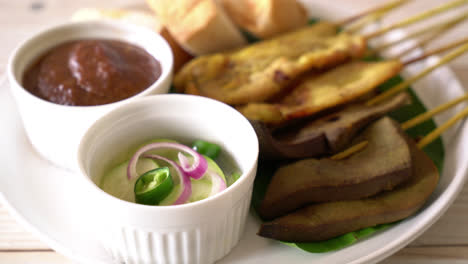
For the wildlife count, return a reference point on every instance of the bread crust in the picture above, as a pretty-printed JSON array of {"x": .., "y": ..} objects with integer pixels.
[
  {"x": 200, "y": 26},
  {"x": 266, "y": 18}
]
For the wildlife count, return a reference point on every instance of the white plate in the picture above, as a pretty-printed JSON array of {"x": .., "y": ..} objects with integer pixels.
[{"x": 43, "y": 198}]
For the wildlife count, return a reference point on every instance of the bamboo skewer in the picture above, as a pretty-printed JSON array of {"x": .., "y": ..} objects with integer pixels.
[
  {"x": 419, "y": 17},
  {"x": 423, "y": 43},
  {"x": 404, "y": 85},
  {"x": 350, "y": 151},
  {"x": 374, "y": 16},
  {"x": 429, "y": 138},
  {"x": 381, "y": 9},
  {"x": 425, "y": 116},
  {"x": 428, "y": 115},
  {"x": 434, "y": 29},
  {"x": 436, "y": 51},
  {"x": 360, "y": 24},
  {"x": 369, "y": 17},
  {"x": 405, "y": 38},
  {"x": 438, "y": 131}
]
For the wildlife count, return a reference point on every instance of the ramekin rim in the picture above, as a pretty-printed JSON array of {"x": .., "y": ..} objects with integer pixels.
[
  {"x": 165, "y": 74},
  {"x": 243, "y": 180}
]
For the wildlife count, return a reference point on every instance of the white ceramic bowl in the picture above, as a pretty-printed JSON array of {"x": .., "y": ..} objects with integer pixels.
[
  {"x": 200, "y": 232},
  {"x": 55, "y": 130}
]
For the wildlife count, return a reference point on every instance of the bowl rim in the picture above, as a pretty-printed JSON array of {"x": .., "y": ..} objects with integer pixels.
[
  {"x": 166, "y": 65},
  {"x": 249, "y": 172}
]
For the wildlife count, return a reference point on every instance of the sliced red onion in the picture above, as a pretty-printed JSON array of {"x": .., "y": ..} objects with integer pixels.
[
  {"x": 185, "y": 184},
  {"x": 217, "y": 182},
  {"x": 195, "y": 170}
]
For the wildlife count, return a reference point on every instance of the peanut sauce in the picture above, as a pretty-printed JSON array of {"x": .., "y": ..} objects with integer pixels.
[{"x": 91, "y": 72}]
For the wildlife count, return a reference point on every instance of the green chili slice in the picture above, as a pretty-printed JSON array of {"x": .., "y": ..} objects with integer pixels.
[
  {"x": 208, "y": 149},
  {"x": 153, "y": 186}
]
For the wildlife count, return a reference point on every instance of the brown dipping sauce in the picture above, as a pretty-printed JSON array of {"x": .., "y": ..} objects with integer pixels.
[{"x": 91, "y": 72}]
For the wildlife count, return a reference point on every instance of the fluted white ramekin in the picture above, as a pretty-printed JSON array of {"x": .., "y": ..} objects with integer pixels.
[
  {"x": 200, "y": 232},
  {"x": 55, "y": 130}
]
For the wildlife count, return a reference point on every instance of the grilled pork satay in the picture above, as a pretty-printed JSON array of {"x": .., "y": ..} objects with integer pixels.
[
  {"x": 320, "y": 221},
  {"x": 267, "y": 50},
  {"x": 338, "y": 86},
  {"x": 332, "y": 132},
  {"x": 362, "y": 175},
  {"x": 262, "y": 70},
  {"x": 345, "y": 138},
  {"x": 323, "y": 221},
  {"x": 326, "y": 135}
]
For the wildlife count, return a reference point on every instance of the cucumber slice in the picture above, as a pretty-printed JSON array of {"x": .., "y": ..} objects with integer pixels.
[
  {"x": 116, "y": 183},
  {"x": 144, "y": 165},
  {"x": 201, "y": 188}
]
